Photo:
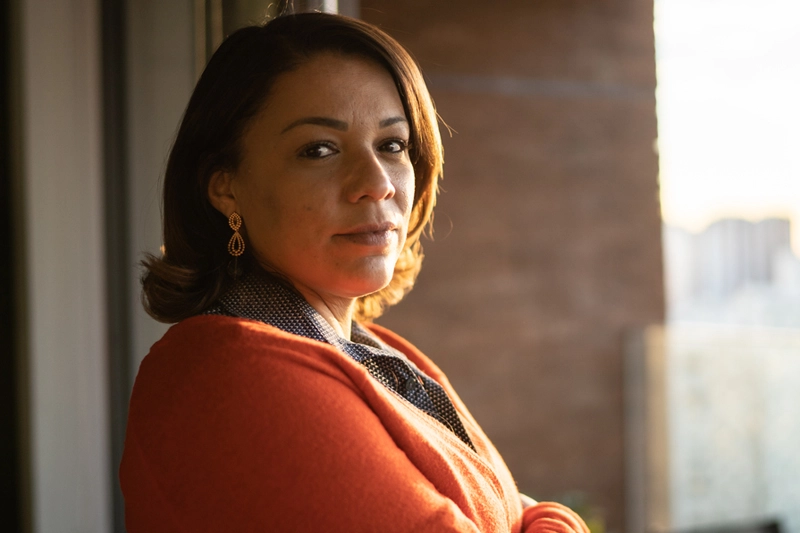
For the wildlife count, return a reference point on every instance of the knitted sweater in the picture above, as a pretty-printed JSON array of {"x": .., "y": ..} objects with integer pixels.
[{"x": 235, "y": 426}]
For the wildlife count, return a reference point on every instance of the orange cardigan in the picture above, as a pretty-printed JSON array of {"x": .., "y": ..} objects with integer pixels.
[{"x": 237, "y": 426}]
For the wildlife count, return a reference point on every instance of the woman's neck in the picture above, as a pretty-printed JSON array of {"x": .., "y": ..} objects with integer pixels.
[{"x": 337, "y": 311}]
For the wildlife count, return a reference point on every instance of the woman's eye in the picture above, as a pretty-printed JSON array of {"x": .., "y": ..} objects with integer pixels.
[
  {"x": 317, "y": 151},
  {"x": 395, "y": 146}
]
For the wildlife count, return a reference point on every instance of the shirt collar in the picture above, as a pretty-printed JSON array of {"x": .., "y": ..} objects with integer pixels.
[{"x": 260, "y": 296}]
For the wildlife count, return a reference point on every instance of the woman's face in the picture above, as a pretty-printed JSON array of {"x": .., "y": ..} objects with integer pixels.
[{"x": 325, "y": 186}]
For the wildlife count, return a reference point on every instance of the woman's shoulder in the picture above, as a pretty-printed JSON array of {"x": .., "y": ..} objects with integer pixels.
[
  {"x": 211, "y": 350},
  {"x": 232, "y": 337},
  {"x": 213, "y": 331}
]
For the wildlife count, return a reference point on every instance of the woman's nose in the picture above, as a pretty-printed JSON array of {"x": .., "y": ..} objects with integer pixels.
[{"x": 369, "y": 179}]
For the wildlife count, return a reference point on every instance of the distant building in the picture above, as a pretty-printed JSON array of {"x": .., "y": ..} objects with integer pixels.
[
  {"x": 786, "y": 272},
  {"x": 734, "y": 271},
  {"x": 679, "y": 263},
  {"x": 732, "y": 253},
  {"x": 732, "y": 374}
]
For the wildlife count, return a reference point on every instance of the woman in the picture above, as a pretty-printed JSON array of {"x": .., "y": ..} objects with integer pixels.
[{"x": 300, "y": 181}]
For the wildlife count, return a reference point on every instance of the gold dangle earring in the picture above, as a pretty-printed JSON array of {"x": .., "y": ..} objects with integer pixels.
[{"x": 235, "y": 245}]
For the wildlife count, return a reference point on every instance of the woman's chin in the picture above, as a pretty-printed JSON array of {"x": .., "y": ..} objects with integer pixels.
[
  {"x": 362, "y": 287},
  {"x": 356, "y": 285},
  {"x": 372, "y": 275},
  {"x": 342, "y": 279}
]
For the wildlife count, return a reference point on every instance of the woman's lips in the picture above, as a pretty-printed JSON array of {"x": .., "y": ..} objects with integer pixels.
[
  {"x": 370, "y": 238},
  {"x": 377, "y": 235}
]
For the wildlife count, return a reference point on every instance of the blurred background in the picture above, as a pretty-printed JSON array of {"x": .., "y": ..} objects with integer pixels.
[{"x": 613, "y": 286}]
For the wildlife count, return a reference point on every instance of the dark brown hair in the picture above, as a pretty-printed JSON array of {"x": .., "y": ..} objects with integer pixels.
[{"x": 192, "y": 271}]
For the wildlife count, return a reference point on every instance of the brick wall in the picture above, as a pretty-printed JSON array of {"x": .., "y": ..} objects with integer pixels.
[{"x": 548, "y": 242}]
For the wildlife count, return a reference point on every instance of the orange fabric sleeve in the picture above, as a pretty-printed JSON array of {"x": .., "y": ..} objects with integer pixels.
[
  {"x": 248, "y": 437},
  {"x": 551, "y": 517}
]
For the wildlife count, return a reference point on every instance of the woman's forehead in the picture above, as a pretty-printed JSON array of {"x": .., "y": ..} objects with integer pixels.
[{"x": 334, "y": 90}]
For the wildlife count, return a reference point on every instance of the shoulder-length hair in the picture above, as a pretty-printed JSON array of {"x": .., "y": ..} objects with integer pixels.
[{"x": 192, "y": 270}]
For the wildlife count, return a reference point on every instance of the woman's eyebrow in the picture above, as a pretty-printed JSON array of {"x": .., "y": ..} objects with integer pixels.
[
  {"x": 337, "y": 124},
  {"x": 318, "y": 121},
  {"x": 385, "y": 123}
]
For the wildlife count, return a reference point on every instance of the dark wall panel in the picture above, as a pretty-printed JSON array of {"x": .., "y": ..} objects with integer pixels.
[{"x": 10, "y": 490}]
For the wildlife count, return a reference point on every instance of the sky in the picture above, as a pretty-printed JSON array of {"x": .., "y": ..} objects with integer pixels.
[{"x": 728, "y": 100}]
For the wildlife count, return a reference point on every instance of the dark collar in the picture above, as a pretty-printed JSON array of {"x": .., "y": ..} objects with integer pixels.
[{"x": 259, "y": 296}]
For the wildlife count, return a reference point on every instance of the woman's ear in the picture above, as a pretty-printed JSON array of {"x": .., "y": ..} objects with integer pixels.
[{"x": 220, "y": 192}]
